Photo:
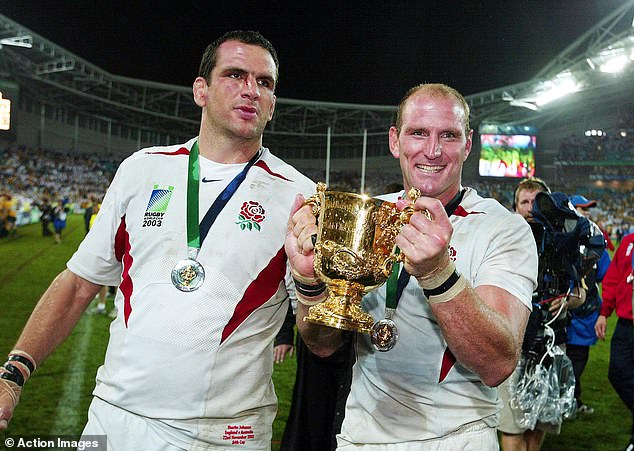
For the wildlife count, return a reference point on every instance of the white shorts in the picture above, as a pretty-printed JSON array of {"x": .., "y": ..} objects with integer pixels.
[
  {"x": 476, "y": 436},
  {"x": 126, "y": 431}
]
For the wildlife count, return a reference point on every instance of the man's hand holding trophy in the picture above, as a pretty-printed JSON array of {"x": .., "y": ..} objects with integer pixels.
[{"x": 344, "y": 242}]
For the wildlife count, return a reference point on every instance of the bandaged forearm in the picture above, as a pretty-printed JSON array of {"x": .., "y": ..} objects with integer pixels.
[
  {"x": 443, "y": 285},
  {"x": 18, "y": 367},
  {"x": 14, "y": 373}
]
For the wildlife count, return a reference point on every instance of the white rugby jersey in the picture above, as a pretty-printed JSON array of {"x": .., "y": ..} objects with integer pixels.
[
  {"x": 202, "y": 360},
  {"x": 417, "y": 391}
]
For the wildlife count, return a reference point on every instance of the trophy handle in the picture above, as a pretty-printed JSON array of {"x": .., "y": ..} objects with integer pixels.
[
  {"x": 315, "y": 200},
  {"x": 403, "y": 219},
  {"x": 314, "y": 203}
]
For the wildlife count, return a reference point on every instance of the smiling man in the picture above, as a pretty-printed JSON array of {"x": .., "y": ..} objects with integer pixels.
[
  {"x": 190, "y": 356},
  {"x": 469, "y": 271}
]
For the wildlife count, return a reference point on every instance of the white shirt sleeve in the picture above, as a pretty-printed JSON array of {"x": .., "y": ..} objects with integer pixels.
[{"x": 96, "y": 259}]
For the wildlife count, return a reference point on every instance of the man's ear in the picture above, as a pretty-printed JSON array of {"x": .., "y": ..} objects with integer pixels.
[
  {"x": 468, "y": 144},
  {"x": 200, "y": 91},
  {"x": 394, "y": 145},
  {"x": 272, "y": 108}
]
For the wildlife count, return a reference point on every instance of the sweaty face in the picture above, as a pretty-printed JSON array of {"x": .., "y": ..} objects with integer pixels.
[
  {"x": 432, "y": 145},
  {"x": 524, "y": 206},
  {"x": 239, "y": 99}
]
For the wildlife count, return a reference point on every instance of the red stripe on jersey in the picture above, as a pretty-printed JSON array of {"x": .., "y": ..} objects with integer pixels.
[
  {"x": 462, "y": 212},
  {"x": 448, "y": 361},
  {"x": 263, "y": 165},
  {"x": 120, "y": 239},
  {"x": 258, "y": 292},
  {"x": 122, "y": 252},
  {"x": 181, "y": 151}
]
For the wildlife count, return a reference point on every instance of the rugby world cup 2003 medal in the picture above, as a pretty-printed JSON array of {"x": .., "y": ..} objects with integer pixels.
[
  {"x": 384, "y": 332},
  {"x": 188, "y": 275}
]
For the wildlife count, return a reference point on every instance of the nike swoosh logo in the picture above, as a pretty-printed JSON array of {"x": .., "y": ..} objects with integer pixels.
[{"x": 204, "y": 180}]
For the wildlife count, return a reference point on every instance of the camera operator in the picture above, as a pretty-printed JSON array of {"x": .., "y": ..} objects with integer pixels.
[
  {"x": 558, "y": 290},
  {"x": 580, "y": 331}
]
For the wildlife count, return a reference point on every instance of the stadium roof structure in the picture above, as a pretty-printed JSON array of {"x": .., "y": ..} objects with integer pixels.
[{"x": 48, "y": 73}]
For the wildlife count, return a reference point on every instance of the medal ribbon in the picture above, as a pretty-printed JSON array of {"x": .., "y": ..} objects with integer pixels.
[
  {"x": 397, "y": 283},
  {"x": 196, "y": 233}
]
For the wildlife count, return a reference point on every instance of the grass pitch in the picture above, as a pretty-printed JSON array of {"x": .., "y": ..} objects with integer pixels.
[{"x": 56, "y": 399}]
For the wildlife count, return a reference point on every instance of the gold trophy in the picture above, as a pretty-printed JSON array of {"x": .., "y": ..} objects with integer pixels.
[{"x": 354, "y": 253}]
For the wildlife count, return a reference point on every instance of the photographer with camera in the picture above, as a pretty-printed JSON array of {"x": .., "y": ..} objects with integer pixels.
[
  {"x": 580, "y": 331},
  {"x": 558, "y": 231}
]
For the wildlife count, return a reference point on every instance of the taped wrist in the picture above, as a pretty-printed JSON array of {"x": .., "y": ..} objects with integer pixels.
[
  {"x": 442, "y": 285},
  {"x": 309, "y": 294},
  {"x": 449, "y": 290},
  {"x": 309, "y": 290},
  {"x": 24, "y": 358},
  {"x": 309, "y": 302},
  {"x": 437, "y": 277},
  {"x": 18, "y": 367}
]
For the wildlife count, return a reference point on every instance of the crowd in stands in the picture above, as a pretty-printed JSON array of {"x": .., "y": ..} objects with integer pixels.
[
  {"x": 33, "y": 181},
  {"x": 615, "y": 144},
  {"x": 609, "y": 147}
]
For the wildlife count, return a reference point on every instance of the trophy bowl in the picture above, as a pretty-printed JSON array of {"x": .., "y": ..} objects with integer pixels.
[{"x": 354, "y": 253}]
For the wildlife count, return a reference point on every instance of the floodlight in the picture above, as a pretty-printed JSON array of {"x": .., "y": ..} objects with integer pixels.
[
  {"x": 524, "y": 104},
  {"x": 25, "y": 41},
  {"x": 614, "y": 64},
  {"x": 562, "y": 84}
]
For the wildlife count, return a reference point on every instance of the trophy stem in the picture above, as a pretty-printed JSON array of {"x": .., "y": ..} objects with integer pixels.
[{"x": 342, "y": 308}]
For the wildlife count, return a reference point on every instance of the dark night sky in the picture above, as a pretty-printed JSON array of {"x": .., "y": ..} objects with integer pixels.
[{"x": 366, "y": 52}]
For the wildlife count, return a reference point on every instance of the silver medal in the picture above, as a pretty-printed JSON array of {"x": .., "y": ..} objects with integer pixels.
[
  {"x": 188, "y": 275},
  {"x": 384, "y": 332}
]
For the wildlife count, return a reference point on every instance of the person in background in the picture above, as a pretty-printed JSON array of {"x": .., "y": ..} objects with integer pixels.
[
  {"x": 319, "y": 396},
  {"x": 46, "y": 215},
  {"x": 283, "y": 345},
  {"x": 617, "y": 295},
  {"x": 464, "y": 302},
  {"x": 60, "y": 213},
  {"x": 4, "y": 214},
  {"x": 88, "y": 206},
  {"x": 515, "y": 437},
  {"x": 580, "y": 332},
  {"x": 203, "y": 279},
  {"x": 9, "y": 206},
  {"x": 583, "y": 206}
]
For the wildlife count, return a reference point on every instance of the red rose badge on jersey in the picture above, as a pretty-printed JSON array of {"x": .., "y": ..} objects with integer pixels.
[{"x": 251, "y": 215}]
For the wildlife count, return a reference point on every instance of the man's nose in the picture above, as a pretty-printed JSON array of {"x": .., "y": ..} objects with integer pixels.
[
  {"x": 434, "y": 148},
  {"x": 250, "y": 87}
]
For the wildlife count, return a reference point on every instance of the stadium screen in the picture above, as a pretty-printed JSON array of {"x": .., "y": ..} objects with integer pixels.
[{"x": 507, "y": 151}]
